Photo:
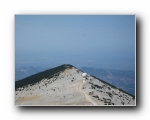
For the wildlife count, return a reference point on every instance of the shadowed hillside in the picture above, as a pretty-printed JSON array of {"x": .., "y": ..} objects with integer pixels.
[{"x": 39, "y": 76}]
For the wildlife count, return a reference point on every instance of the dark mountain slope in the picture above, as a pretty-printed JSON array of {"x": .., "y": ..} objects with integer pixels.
[{"x": 39, "y": 76}]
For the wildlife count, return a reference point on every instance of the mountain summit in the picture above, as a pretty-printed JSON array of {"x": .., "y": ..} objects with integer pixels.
[{"x": 64, "y": 85}]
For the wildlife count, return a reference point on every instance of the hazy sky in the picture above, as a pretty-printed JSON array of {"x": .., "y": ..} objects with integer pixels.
[{"x": 100, "y": 41}]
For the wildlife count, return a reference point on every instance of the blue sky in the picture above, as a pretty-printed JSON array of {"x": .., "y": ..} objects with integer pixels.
[{"x": 98, "y": 41}]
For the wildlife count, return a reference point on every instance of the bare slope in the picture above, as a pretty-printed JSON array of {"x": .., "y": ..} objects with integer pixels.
[{"x": 67, "y": 87}]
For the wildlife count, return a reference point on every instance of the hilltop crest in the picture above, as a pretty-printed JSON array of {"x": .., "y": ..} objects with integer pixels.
[{"x": 64, "y": 85}]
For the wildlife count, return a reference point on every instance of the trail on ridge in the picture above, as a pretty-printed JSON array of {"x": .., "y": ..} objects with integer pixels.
[{"x": 85, "y": 95}]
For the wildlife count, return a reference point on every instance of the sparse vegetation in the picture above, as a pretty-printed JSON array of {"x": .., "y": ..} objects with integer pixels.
[
  {"x": 109, "y": 88},
  {"x": 122, "y": 103},
  {"x": 91, "y": 93},
  {"x": 96, "y": 96},
  {"x": 83, "y": 88},
  {"x": 112, "y": 86},
  {"x": 92, "y": 87},
  {"x": 110, "y": 95},
  {"x": 39, "y": 76}
]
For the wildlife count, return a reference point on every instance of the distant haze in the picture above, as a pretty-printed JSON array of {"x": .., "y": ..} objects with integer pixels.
[{"x": 97, "y": 41}]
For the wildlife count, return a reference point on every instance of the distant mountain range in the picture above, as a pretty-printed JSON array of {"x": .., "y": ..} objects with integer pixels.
[
  {"x": 65, "y": 85},
  {"x": 123, "y": 79},
  {"x": 25, "y": 71}
]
